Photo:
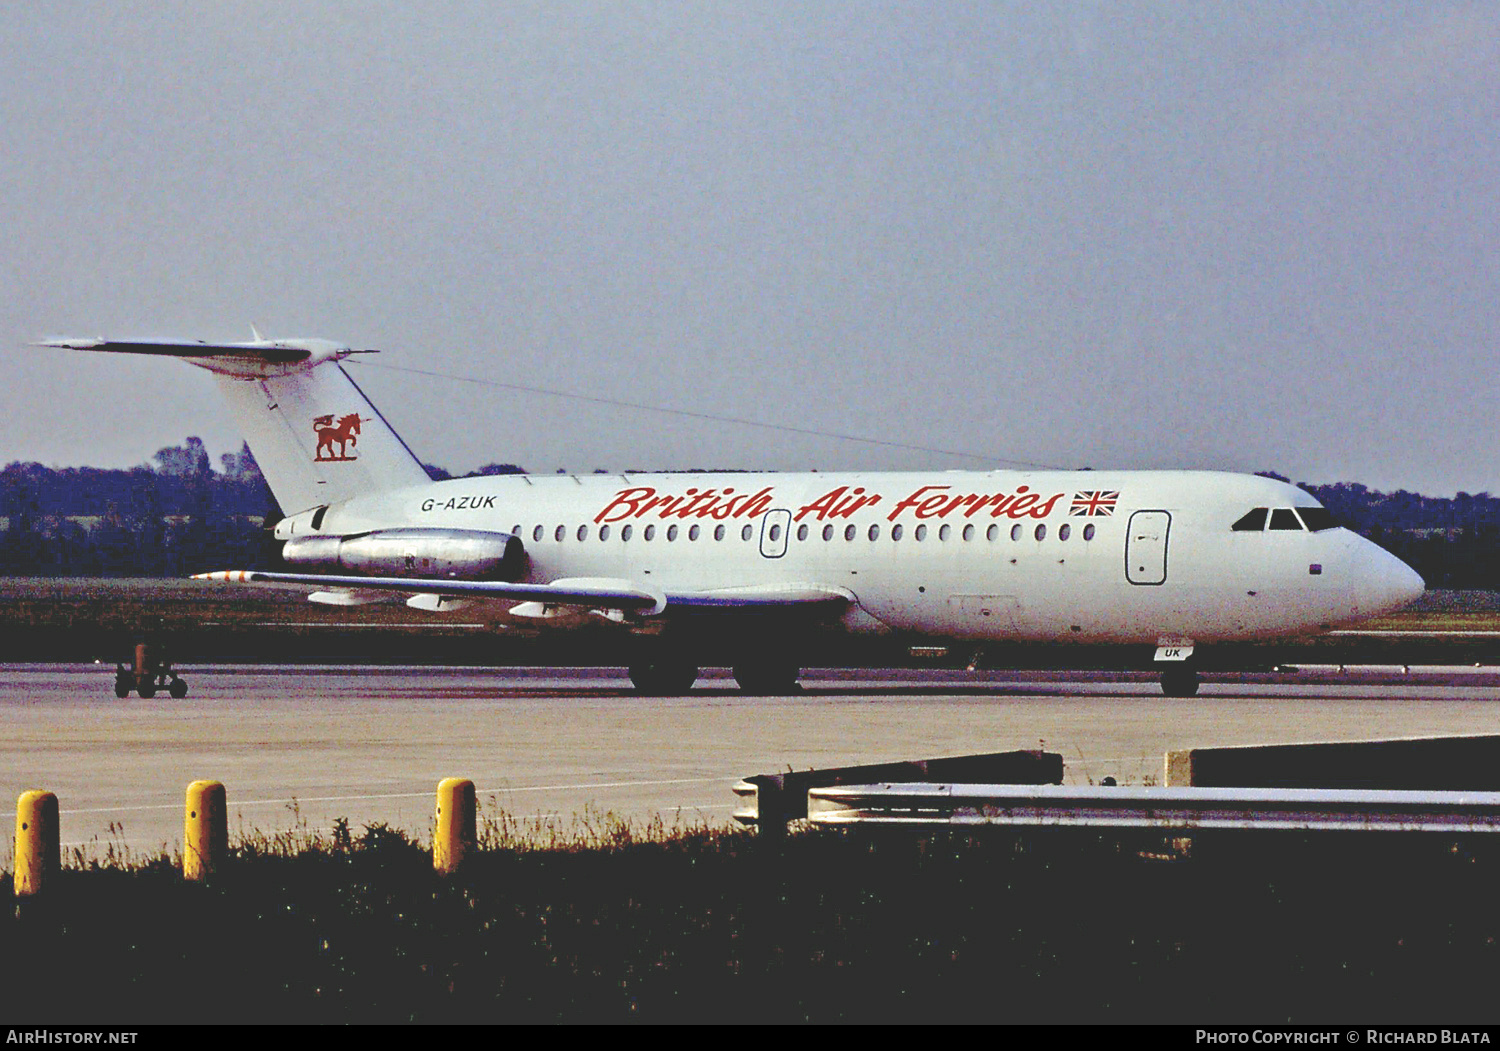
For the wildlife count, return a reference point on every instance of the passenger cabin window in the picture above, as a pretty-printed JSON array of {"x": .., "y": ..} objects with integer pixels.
[
  {"x": 1253, "y": 522},
  {"x": 1285, "y": 518}
]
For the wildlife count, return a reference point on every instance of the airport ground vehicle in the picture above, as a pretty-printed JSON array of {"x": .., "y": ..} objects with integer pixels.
[{"x": 149, "y": 672}]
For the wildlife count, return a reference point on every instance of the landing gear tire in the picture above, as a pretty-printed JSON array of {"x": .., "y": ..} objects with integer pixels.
[
  {"x": 768, "y": 678},
  {"x": 178, "y": 689},
  {"x": 1180, "y": 682},
  {"x": 147, "y": 690},
  {"x": 122, "y": 688},
  {"x": 663, "y": 679}
]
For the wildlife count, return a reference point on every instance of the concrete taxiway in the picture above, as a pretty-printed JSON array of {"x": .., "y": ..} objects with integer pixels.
[{"x": 305, "y": 745}]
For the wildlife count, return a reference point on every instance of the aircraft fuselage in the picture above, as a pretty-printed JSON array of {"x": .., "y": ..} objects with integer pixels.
[{"x": 1095, "y": 556}]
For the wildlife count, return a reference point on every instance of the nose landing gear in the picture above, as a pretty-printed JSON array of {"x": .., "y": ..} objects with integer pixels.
[{"x": 1180, "y": 682}]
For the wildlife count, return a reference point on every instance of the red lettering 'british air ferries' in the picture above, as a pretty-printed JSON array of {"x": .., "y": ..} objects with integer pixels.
[{"x": 746, "y": 568}]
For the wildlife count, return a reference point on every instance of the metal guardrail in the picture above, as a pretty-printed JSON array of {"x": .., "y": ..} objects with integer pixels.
[
  {"x": 1313, "y": 809},
  {"x": 771, "y": 800}
]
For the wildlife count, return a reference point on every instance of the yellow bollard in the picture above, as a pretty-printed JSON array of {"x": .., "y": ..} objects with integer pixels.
[
  {"x": 38, "y": 843},
  {"x": 205, "y": 833},
  {"x": 455, "y": 833}
]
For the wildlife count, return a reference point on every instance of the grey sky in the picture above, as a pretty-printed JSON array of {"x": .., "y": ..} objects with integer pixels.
[{"x": 1238, "y": 236}]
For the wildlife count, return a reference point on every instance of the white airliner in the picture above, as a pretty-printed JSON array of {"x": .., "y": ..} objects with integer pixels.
[{"x": 749, "y": 567}]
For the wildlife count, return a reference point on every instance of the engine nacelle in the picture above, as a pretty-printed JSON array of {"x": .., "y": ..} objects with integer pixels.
[{"x": 459, "y": 554}]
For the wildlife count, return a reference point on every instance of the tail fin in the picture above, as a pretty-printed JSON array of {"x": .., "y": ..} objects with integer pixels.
[{"x": 316, "y": 436}]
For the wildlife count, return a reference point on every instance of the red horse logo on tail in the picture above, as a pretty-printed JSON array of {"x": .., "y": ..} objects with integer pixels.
[{"x": 345, "y": 434}]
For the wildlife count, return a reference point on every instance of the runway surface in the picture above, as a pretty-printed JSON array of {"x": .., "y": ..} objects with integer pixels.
[{"x": 305, "y": 745}]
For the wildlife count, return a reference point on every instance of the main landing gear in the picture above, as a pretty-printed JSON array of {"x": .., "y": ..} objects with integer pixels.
[
  {"x": 1180, "y": 682},
  {"x": 663, "y": 678},
  {"x": 667, "y": 678}
]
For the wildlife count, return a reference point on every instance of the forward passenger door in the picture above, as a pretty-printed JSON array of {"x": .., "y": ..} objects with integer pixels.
[{"x": 1146, "y": 547}]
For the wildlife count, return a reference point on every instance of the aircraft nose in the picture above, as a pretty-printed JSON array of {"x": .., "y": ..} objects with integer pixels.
[{"x": 1387, "y": 583}]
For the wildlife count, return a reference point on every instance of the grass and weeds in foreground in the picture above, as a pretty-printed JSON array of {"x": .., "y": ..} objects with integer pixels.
[{"x": 603, "y": 921}]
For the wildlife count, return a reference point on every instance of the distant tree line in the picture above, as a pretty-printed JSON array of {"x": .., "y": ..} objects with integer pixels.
[
  {"x": 174, "y": 517},
  {"x": 1453, "y": 542},
  {"x": 180, "y": 515}
]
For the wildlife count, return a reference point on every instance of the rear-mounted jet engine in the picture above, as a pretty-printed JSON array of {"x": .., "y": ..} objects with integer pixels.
[{"x": 459, "y": 554}]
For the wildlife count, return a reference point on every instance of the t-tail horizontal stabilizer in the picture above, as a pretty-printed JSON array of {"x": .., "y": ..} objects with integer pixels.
[
  {"x": 250, "y": 360},
  {"x": 317, "y": 438}
]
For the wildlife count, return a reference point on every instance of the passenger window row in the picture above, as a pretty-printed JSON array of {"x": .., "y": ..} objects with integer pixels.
[{"x": 850, "y": 532}]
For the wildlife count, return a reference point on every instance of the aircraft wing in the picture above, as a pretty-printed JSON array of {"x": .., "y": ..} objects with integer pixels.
[
  {"x": 589, "y": 592},
  {"x": 600, "y": 593}
]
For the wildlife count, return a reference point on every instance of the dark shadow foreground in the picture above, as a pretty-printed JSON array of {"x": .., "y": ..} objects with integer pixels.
[{"x": 1050, "y": 925}]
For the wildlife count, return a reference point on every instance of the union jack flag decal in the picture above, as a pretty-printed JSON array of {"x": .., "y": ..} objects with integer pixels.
[{"x": 1095, "y": 502}]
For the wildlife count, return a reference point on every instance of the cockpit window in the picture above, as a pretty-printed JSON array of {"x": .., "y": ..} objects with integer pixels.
[
  {"x": 1317, "y": 518},
  {"x": 1253, "y": 522},
  {"x": 1285, "y": 518}
]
